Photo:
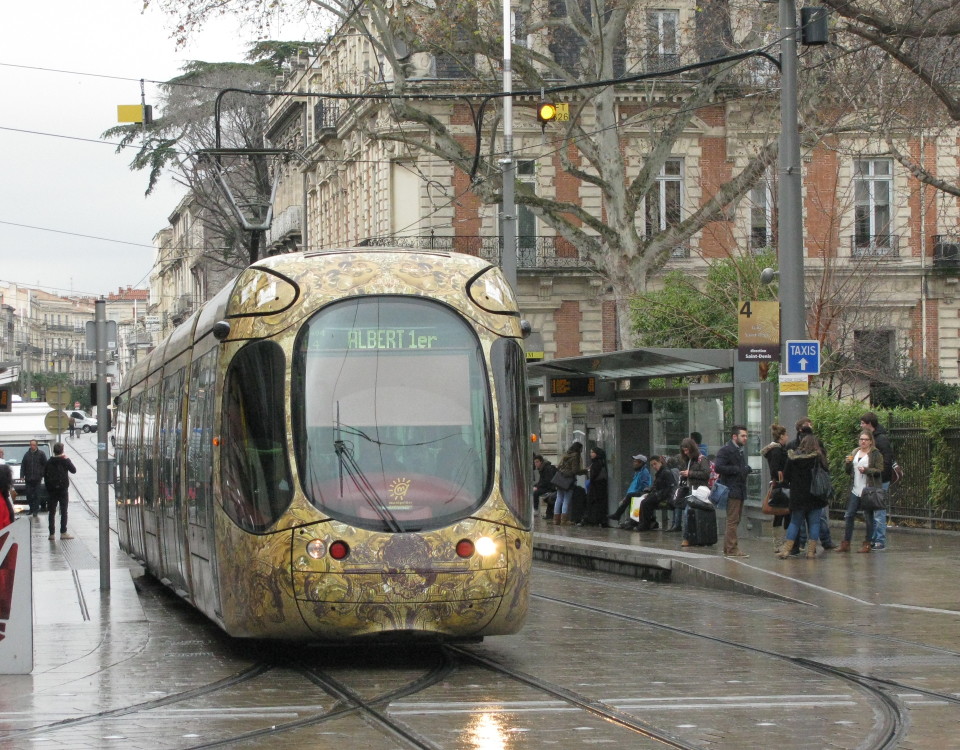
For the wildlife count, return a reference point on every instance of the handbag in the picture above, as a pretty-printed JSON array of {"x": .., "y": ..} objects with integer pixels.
[
  {"x": 873, "y": 498},
  {"x": 562, "y": 481},
  {"x": 820, "y": 485},
  {"x": 678, "y": 498},
  {"x": 719, "y": 495},
  {"x": 768, "y": 508}
]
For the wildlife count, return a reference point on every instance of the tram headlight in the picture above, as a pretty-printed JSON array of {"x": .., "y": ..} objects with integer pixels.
[
  {"x": 486, "y": 546},
  {"x": 316, "y": 549}
]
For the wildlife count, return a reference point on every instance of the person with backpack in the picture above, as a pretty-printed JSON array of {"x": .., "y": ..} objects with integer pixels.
[
  {"x": 805, "y": 504},
  {"x": 57, "y": 481},
  {"x": 882, "y": 441}
]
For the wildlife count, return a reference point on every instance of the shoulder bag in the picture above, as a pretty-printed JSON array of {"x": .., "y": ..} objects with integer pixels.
[
  {"x": 719, "y": 495},
  {"x": 678, "y": 496},
  {"x": 820, "y": 485},
  {"x": 775, "y": 502},
  {"x": 562, "y": 481},
  {"x": 873, "y": 498}
]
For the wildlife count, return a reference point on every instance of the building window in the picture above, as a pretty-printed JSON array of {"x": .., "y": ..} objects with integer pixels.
[
  {"x": 663, "y": 40},
  {"x": 526, "y": 172},
  {"x": 762, "y": 221},
  {"x": 874, "y": 351},
  {"x": 665, "y": 198},
  {"x": 873, "y": 197}
]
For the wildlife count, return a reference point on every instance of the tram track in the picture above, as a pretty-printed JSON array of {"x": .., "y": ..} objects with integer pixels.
[{"x": 893, "y": 719}]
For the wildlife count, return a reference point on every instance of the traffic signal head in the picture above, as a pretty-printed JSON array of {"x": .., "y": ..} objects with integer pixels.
[{"x": 546, "y": 112}]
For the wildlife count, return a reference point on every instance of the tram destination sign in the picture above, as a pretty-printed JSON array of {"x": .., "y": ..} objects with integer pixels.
[
  {"x": 377, "y": 339},
  {"x": 759, "y": 329}
]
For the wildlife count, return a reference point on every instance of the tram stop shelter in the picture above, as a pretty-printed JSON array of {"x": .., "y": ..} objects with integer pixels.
[{"x": 648, "y": 400}]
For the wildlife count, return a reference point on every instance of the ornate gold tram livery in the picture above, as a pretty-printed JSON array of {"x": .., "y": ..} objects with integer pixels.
[{"x": 335, "y": 446}]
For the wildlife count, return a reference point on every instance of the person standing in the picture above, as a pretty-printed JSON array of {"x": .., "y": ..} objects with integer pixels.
[
  {"x": 57, "y": 482},
  {"x": 694, "y": 469},
  {"x": 775, "y": 454},
  {"x": 732, "y": 467},
  {"x": 804, "y": 505},
  {"x": 866, "y": 466},
  {"x": 72, "y": 423},
  {"x": 570, "y": 466},
  {"x": 597, "y": 484},
  {"x": 804, "y": 428},
  {"x": 880, "y": 438},
  {"x": 31, "y": 472}
]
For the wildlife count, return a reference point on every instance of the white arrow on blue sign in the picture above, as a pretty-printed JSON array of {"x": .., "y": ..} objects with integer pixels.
[{"x": 803, "y": 357}]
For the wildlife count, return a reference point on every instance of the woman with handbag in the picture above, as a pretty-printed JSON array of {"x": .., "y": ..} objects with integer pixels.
[
  {"x": 805, "y": 505},
  {"x": 596, "y": 512},
  {"x": 866, "y": 466},
  {"x": 565, "y": 480},
  {"x": 694, "y": 472},
  {"x": 775, "y": 454}
]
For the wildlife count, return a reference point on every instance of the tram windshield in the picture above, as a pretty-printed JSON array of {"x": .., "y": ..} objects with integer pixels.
[{"x": 391, "y": 413}]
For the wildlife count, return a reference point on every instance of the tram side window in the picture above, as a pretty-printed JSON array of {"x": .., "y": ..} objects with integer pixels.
[
  {"x": 256, "y": 475},
  {"x": 200, "y": 436},
  {"x": 509, "y": 368},
  {"x": 170, "y": 437},
  {"x": 135, "y": 451},
  {"x": 150, "y": 456}
]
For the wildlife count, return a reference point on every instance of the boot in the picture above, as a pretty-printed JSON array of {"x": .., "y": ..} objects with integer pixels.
[
  {"x": 558, "y": 519},
  {"x": 811, "y": 549},
  {"x": 777, "y": 542},
  {"x": 865, "y": 547},
  {"x": 844, "y": 546},
  {"x": 785, "y": 549}
]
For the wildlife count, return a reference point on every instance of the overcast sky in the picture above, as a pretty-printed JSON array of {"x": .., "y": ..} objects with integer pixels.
[{"x": 55, "y": 173}]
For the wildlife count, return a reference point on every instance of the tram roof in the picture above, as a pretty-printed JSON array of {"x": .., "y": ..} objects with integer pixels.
[{"x": 638, "y": 363}]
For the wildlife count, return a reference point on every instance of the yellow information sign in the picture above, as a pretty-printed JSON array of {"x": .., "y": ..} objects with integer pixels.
[
  {"x": 759, "y": 329},
  {"x": 794, "y": 385},
  {"x": 59, "y": 397},
  {"x": 56, "y": 422}
]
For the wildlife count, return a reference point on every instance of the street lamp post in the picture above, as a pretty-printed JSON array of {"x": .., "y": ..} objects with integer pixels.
[
  {"x": 793, "y": 318},
  {"x": 508, "y": 258}
]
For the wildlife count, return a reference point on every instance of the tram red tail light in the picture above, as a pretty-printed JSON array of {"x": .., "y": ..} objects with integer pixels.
[
  {"x": 339, "y": 550},
  {"x": 465, "y": 548}
]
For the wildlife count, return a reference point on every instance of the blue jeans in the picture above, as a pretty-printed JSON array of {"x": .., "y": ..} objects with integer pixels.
[
  {"x": 824, "y": 529},
  {"x": 853, "y": 505},
  {"x": 563, "y": 501},
  {"x": 880, "y": 523},
  {"x": 797, "y": 520}
]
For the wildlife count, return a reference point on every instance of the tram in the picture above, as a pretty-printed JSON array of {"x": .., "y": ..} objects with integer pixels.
[{"x": 335, "y": 447}]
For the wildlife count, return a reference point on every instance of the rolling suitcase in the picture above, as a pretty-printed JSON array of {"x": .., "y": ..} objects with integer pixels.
[
  {"x": 578, "y": 504},
  {"x": 701, "y": 527}
]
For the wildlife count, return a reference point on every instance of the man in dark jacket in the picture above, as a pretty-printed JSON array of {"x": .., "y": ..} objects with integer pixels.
[
  {"x": 880, "y": 439},
  {"x": 31, "y": 472},
  {"x": 57, "y": 482},
  {"x": 545, "y": 472},
  {"x": 732, "y": 467}
]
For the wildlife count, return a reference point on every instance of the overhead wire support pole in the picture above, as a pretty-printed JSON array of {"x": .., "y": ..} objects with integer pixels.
[
  {"x": 508, "y": 258},
  {"x": 104, "y": 465},
  {"x": 793, "y": 317}
]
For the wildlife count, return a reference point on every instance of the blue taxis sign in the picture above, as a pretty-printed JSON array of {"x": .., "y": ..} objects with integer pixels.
[{"x": 802, "y": 357}]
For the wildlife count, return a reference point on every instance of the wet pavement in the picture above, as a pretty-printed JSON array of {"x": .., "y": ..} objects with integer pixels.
[{"x": 684, "y": 648}]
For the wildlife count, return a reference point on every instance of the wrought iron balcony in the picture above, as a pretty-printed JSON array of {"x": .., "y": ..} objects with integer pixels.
[{"x": 875, "y": 245}]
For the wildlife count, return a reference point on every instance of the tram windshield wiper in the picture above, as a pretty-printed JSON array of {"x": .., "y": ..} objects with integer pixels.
[{"x": 366, "y": 490}]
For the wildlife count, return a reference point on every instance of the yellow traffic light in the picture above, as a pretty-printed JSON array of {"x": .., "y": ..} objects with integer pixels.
[{"x": 546, "y": 112}]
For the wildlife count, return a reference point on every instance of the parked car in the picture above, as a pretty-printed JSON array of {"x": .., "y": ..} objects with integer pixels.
[{"x": 83, "y": 422}]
